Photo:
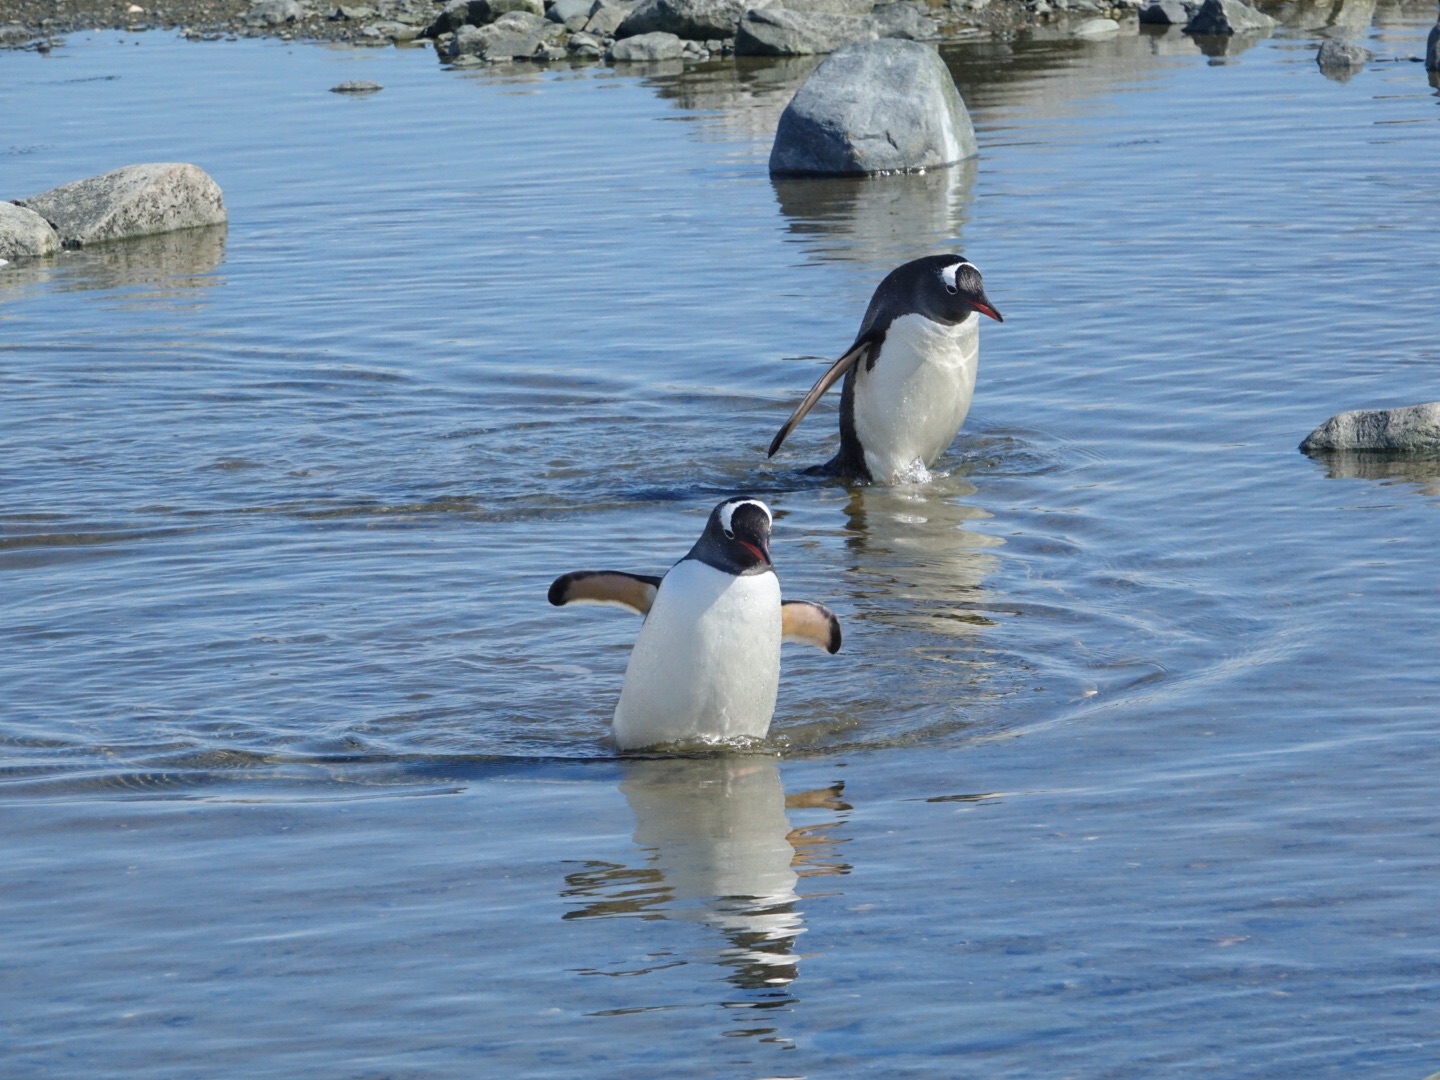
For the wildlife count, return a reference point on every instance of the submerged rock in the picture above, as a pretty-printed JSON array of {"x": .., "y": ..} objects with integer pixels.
[
  {"x": 778, "y": 31},
  {"x": 653, "y": 46},
  {"x": 697, "y": 20},
  {"x": 24, "y": 233},
  {"x": 357, "y": 86},
  {"x": 871, "y": 107},
  {"x": 1228, "y": 17},
  {"x": 138, "y": 200},
  {"x": 1411, "y": 429},
  {"x": 1342, "y": 56}
]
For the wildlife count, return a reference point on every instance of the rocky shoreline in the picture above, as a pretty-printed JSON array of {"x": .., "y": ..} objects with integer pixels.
[{"x": 572, "y": 29}]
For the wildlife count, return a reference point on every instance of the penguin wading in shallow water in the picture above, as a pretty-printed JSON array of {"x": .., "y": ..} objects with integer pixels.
[
  {"x": 706, "y": 665},
  {"x": 910, "y": 373}
]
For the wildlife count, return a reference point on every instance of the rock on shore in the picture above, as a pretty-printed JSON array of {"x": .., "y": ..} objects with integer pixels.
[
  {"x": 1411, "y": 429},
  {"x": 24, "y": 233},
  {"x": 138, "y": 200},
  {"x": 878, "y": 106},
  {"x": 1228, "y": 17},
  {"x": 698, "y": 20}
]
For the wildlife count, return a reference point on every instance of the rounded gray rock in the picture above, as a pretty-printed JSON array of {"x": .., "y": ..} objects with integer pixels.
[
  {"x": 653, "y": 46},
  {"x": 1337, "y": 55},
  {"x": 1411, "y": 429},
  {"x": 138, "y": 200},
  {"x": 356, "y": 86},
  {"x": 875, "y": 106},
  {"x": 693, "y": 19},
  {"x": 24, "y": 233}
]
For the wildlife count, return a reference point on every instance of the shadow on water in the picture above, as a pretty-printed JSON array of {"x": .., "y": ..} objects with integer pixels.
[
  {"x": 882, "y": 220},
  {"x": 721, "y": 852},
  {"x": 1422, "y": 472},
  {"x": 170, "y": 266}
]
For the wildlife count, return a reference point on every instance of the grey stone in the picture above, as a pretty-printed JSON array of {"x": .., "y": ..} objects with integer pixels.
[
  {"x": 653, "y": 46},
  {"x": 496, "y": 8},
  {"x": 1167, "y": 13},
  {"x": 571, "y": 14},
  {"x": 138, "y": 200},
  {"x": 24, "y": 233},
  {"x": 778, "y": 31},
  {"x": 356, "y": 86},
  {"x": 694, "y": 19},
  {"x": 854, "y": 8},
  {"x": 274, "y": 12},
  {"x": 878, "y": 106},
  {"x": 1337, "y": 55},
  {"x": 514, "y": 36},
  {"x": 605, "y": 18},
  {"x": 1228, "y": 17},
  {"x": 1094, "y": 28},
  {"x": 462, "y": 13},
  {"x": 1432, "y": 49},
  {"x": 352, "y": 13},
  {"x": 904, "y": 20},
  {"x": 1411, "y": 429}
]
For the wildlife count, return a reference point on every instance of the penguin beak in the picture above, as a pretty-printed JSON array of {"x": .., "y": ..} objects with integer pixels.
[
  {"x": 984, "y": 306},
  {"x": 760, "y": 549}
]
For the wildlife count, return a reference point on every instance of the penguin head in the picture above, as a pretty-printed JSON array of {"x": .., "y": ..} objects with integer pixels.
[
  {"x": 737, "y": 537},
  {"x": 957, "y": 290}
]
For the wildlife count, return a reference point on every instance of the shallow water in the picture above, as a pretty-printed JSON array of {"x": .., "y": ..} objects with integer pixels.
[{"x": 1126, "y": 767}]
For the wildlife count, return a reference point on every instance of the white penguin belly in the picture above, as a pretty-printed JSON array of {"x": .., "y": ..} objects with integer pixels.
[
  {"x": 707, "y": 662},
  {"x": 910, "y": 405}
]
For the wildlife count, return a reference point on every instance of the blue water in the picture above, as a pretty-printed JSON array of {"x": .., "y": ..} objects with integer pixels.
[{"x": 1126, "y": 767}]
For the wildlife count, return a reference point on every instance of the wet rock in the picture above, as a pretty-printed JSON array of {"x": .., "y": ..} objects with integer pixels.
[
  {"x": 877, "y": 106},
  {"x": 1411, "y": 429},
  {"x": 1094, "y": 28},
  {"x": 1167, "y": 13},
  {"x": 357, "y": 86},
  {"x": 1342, "y": 56},
  {"x": 1228, "y": 17},
  {"x": 138, "y": 200},
  {"x": 778, "y": 31},
  {"x": 24, "y": 233},
  {"x": 642, "y": 47},
  {"x": 905, "y": 20},
  {"x": 1432, "y": 49},
  {"x": 693, "y": 19},
  {"x": 274, "y": 12}
]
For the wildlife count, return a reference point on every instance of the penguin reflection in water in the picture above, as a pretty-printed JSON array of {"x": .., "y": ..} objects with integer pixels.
[
  {"x": 706, "y": 666},
  {"x": 910, "y": 373}
]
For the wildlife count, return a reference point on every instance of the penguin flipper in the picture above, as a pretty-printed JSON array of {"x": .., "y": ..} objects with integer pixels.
[
  {"x": 634, "y": 591},
  {"x": 809, "y": 624},
  {"x": 854, "y": 354}
]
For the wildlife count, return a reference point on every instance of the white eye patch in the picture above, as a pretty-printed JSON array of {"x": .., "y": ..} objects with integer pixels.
[
  {"x": 727, "y": 512},
  {"x": 948, "y": 275}
]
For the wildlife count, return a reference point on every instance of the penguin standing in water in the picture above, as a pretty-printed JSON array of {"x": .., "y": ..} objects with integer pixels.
[
  {"x": 706, "y": 666},
  {"x": 910, "y": 373}
]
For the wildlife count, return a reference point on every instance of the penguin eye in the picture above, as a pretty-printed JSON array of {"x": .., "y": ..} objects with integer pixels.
[
  {"x": 729, "y": 534},
  {"x": 951, "y": 289}
]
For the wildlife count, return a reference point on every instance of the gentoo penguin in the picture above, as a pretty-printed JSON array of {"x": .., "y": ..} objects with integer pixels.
[
  {"x": 706, "y": 665},
  {"x": 910, "y": 373}
]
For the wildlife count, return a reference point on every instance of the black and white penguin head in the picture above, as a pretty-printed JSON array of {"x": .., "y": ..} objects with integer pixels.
[
  {"x": 736, "y": 538},
  {"x": 945, "y": 288}
]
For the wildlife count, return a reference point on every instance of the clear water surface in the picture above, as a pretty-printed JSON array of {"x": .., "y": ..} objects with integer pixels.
[{"x": 1127, "y": 766}]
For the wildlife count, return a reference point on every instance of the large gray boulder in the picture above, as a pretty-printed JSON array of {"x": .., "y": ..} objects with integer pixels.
[
  {"x": 606, "y": 17},
  {"x": 24, "y": 233},
  {"x": 698, "y": 20},
  {"x": 1342, "y": 57},
  {"x": 571, "y": 14},
  {"x": 647, "y": 47},
  {"x": 878, "y": 106},
  {"x": 1411, "y": 429},
  {"x": 1432, "y": 49},
  {"x": 1228, "y": 17},
  {"x": 778, "y": 31},
  {"x": 514, "y": 36},
  {"x": 138, "y": 200}
]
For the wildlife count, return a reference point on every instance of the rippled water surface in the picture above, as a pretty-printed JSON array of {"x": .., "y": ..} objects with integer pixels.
[{"x": 1127, "y": 765}]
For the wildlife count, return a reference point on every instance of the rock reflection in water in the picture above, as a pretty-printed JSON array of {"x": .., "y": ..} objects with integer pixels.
[
  {"x": 1347, "y": 18},
  {"x": 882, "y": 220},
  {"x": 1421, "y": 471},
  {"x": 742, "y": 97},
  {"x": 720, "y": 851},
  {"x": 171, "y": 265},
  {"x": 916, "y": 562}
]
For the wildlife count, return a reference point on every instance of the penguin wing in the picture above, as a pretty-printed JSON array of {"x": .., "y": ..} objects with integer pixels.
[
  {"x": 809, "y": 624},
  {"x": 634, "y": 591},
  {"x": 853, "y": 355}
]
